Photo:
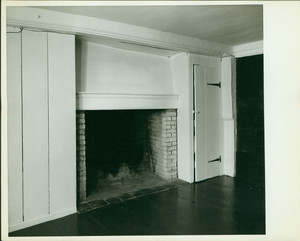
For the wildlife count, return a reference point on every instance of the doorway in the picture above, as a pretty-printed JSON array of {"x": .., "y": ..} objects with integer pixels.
[{"x": 250, "y": 161}]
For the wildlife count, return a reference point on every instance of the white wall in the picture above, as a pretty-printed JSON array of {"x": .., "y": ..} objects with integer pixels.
[
  {"x": 228, "y": 100},
  {"x": 181, "y": 74},
  {"x": 108, "y": 70}
]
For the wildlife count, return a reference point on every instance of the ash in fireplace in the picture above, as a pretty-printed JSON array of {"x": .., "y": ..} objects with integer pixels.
[{"x": 124, "y": 172}]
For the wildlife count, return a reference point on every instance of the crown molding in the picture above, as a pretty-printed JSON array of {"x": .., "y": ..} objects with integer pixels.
[{"x": 248, "y": 49}]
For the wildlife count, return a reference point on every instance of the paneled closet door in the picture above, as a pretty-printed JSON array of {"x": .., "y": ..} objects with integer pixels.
[
  {"x": 62, "y": 126},
  {"x": 14, "y": 116},
  {"x": 35, "y": 125}
]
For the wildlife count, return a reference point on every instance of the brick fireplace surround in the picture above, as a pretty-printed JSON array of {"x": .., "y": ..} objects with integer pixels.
[{"x": 162, "y": 129}]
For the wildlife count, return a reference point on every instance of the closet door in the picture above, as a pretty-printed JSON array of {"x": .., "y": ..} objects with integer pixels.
[
  {"x": 35, "y": 124},
  {"x": 207, "y": 121},
  {"x": 14, "y": 116},
  {"x": 212, "y": 121},
  {"x": 62, "y": 126}
]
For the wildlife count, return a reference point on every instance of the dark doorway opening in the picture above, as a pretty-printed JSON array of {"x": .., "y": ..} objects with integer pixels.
[{"x": 250, "y": 160}]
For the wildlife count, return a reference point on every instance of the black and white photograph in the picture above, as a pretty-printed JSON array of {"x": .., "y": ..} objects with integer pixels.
[{"x": 150, "y": 120}]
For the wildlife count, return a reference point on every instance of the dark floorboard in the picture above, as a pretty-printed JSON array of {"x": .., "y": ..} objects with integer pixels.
[{"x": 215, "y": 206}]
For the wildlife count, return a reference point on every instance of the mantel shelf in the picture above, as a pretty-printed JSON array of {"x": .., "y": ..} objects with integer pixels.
[{"x": 98, "y": 101}]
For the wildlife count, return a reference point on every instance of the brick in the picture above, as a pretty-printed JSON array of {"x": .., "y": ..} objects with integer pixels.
[
  {"x": 171, "y": 156},
  {"x": 171, "y": 131},
  {"x": 167, "y": 144},
  {"x": 80, "y": 131},
  {"x": 81, "y": 153},
  {"x": 166, "y": 135},
  {"x": 81, "y": 126},
  {"x": 80, "y": 115},
  {"x": 82, "y": 186},
  {"x": 82, "y": 177},
  {"x": 169, "y": 139},
  {"x": 81, "y": 121},
  {"x": 81, "y": 164},
  {"x": 81, "y": 143},
  {"x": 82, "y": 195},
  {"x": 81, "y": 148},
  {"x": 169, "y": 113},
  {"x": 81, "y": 158}
]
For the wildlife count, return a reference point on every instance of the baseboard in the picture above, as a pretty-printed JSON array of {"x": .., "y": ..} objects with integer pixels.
[{"x": 41, "y": 220}]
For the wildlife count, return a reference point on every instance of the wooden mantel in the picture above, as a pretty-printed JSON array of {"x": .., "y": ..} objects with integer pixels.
[{"x": 96, "y": 101}]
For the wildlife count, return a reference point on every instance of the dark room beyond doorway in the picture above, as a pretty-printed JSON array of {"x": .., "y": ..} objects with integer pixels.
[{"x": 250, "y": 161}]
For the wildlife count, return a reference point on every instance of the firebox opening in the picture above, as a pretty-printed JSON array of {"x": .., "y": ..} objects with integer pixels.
[
  {"x": 122, "y": 151},
  {"x": 117, "y": 145}
]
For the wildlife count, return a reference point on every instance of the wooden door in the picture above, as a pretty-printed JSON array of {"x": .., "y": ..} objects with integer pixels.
[
  {"x": 212, "y": 121},
  {"x": 207, "y": 117}
]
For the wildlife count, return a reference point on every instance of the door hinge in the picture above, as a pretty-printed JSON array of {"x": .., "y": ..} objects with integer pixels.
[
  {"x": 216, "y": 160},
  {"x": 215, "y": 84}
]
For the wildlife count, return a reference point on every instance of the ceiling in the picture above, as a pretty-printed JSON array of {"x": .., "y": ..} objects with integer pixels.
[{"x": 230, "y": 24}]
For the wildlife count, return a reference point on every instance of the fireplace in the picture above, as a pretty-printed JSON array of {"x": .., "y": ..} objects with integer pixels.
[{"x": 113, "y": 145}]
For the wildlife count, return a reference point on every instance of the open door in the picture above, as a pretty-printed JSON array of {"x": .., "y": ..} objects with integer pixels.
[{"x": 207, "y": 120}]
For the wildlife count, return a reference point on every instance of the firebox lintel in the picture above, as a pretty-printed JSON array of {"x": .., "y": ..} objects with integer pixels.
[{"x": 96, "y": 101}]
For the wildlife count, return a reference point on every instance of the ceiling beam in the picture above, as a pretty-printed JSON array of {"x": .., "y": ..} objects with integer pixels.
[{"x": 35, "y": 18}]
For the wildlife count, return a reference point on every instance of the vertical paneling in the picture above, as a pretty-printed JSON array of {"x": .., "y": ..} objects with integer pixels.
[
  {"x": 62, "y": 122},
  {"x": 35, "y": 124},
  {"x": 14, "y": 116}
]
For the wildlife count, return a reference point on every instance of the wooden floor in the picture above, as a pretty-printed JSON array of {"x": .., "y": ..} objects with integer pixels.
[{"x": 215, "y": 206}]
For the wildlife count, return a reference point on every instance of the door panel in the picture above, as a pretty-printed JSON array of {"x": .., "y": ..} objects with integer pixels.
[
  {"x": 62, "y": 139},
  {"x": 207, "y": 122},
  {"x": 14, "y": 116},
  {"x": 35, "y": 124}
]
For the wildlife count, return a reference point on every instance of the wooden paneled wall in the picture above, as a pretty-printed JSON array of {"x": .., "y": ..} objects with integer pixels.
[{"x": 41, "y": 127}]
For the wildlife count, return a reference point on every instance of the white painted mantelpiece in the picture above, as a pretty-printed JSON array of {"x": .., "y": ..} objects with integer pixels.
[{"x": 96, "y": 101}]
